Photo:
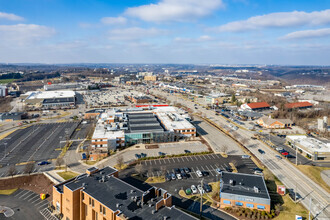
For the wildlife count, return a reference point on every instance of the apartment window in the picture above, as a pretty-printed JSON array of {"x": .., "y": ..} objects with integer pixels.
[
  {"x": 58, "y": 206},
  {"x": 90, "y": 201},
  {"x": 238, "y": 203},
  {"x": 86, "y": 209},
  {"x": 93, "y": 203},
  {"x": 96, "y": 216},
  {"x": 226, "y": 202},
  {"x": 82, "y": 196},
  {"x": 103, "y": 210},
  {"x": 260, "y": 207},
  {"x": 249, "y": 205}
]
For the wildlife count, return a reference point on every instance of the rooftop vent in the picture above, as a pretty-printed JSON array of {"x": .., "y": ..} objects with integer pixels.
[
  {"x": 153, "y": 211},
  {"x": 132, "y": 191},
  {"x": 165, "y": 217},
  {"x": 256, "y": 190},
  {"x": 231, "y": 182},
  {"x": 117, "y": 205}
]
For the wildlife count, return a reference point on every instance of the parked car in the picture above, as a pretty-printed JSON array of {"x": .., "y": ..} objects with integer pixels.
[
  {"x": 143, "y": 155},
  {"x": 186, "y": 169},
  {"x": 229, "y": 169},
  {"x": 199, "y": 173},
  {"x": 187, "y": 151},
  {"x": 43, "y": 163},
  {"x": 207, "y": 187},
  {"x": 279, "y": 148},
  {"x": 178, "y": 175},
  {"x": 257, "y": 172},
  {"x": 161, "y": 153},
  {"x": 285, "y": 153},
  {"x": 200, "y": 189},
  {"x": 188, "y": 191},
  {"x": 168, "y": 177},
  {"x": 173, "y": 176},
  {"x": 246, "y": 156},
  {"x": 194, "y": 189},
  {"x": 219, "y": 171},
  {"x": 176, "y": 170},
  {"x": 138, "y": 156},
  {"x": 258, "y": 169}
]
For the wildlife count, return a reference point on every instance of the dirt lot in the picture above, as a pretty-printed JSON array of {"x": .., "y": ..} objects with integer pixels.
[{"x": 37, "y": 183}]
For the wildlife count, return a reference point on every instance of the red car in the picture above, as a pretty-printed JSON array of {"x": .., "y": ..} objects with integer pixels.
[{"x": 285, "y": 153}]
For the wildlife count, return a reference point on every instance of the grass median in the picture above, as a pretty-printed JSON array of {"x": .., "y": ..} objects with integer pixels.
[
  {"x": 66, "y": 175},
  {"x": 314, "y": 173}
]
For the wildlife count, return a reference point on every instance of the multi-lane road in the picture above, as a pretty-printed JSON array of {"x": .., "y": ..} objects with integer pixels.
[{"x": 314, "y": 197}]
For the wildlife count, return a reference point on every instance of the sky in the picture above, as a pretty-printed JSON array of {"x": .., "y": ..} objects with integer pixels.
[{"x": 279, "y": 32}]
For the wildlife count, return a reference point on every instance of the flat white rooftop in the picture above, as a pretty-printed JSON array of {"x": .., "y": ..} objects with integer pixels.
[
  {"x": 49, "y": 94},
  {"x": 311, "y": 144}
]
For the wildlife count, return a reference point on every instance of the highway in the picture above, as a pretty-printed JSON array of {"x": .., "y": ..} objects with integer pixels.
[{"x": 312, "y": 194}]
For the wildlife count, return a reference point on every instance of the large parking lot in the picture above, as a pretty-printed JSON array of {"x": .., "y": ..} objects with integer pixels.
[
  {"x": 207, "y": 163},
  {"x": 26, "y": 205},
  {"x": 34, "y": 143}
]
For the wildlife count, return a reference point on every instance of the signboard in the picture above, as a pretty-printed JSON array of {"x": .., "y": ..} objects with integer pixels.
[
  {"x": 281, "y": 190},
  {"x": 298, "y": 217}
]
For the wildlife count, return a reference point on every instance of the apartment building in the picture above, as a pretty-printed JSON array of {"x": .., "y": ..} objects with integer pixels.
[{"x": 101, "y": 195}]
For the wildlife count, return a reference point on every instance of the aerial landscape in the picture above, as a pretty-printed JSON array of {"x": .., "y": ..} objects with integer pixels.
[{"x": 164, "y": 109}]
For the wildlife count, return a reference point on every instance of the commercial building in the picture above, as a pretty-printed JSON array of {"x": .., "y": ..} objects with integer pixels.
[
  {"x": 117, "y": 128},
  {"x": 64, "y": 86},
  {"x": 310, "y": 147},
  {"x": 50, "y": 99},
  {"x": 217, "y": 98},
  {"x": 268, "y": 122},
  {"x": 140, "y": 99},
  {"x": 298, "y": 105},
  {"x": 322, "y": 124},
  {"x": 244, "y": 190},
  {"x": 13, "y": 116},
  {"x": 150, "y": 78},
  {"x": 255, "y": 106},
  {"x": 101, "y": 195},
  {"x": 3, "y": 91}
]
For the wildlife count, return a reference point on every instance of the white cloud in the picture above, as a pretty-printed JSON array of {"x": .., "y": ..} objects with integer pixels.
[
  {"x": 280, "y": 19},
  {"x": 11, "y": 17},
  {"x": 114, "y": 20},
  {"x": 324, "y": 32},
  {"x": 134, "y": 33},
  {"x": 24, "y": 34},
  {"x": 174, "y": 10},
  {"x": 202, "y": 38}
]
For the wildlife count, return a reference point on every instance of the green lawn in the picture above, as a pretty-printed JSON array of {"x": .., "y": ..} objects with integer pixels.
[
  {"x": 67, "y": 175},
  {"x": 314, "y": 173},
  {"x": 6, "y": 80},
  {"x": 7, "y": 191}
]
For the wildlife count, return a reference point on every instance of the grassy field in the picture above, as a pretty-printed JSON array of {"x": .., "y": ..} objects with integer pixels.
[
  {"x": 290, "y": 209},
  {"x": 6, "y": 81},
  {"x": 7, "y": 191},
  {"x": 67, "y": 174},
  {"x": 315, "y": 174}
]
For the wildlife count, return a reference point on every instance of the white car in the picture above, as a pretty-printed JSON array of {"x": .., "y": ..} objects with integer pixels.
[
  {"x": 194, "y": 189},
  {"x": 246, "y": 156},
  {"x": 200, "y": 189},
  {"x": 279, "y": 148},
  {"x": 178, "y": 175},
  {"x": 257, "y": 172},
  {"x": 199, "y": 173}
]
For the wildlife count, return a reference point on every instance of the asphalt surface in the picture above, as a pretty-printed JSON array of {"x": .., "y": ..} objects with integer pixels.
[
  {"x": 25, "y": 204},
  {"x": 216, "y": 138},
  {"x": 280, "y": 142},
  {"x": 34, "y": 143}
]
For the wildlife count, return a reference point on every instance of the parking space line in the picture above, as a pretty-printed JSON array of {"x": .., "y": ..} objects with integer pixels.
[
  {"x": 212, "y": 167},
  {"x": 36, "y": 200},
  {"x": 213, "y": 156},
  {"x": 19, "y": 193},
  {"x": 26, "y": 192},
  {"x": 33, "y": 197},
  {"x": 46, "y": 203},
  {"x": 39, "y": 202},
  {"x": 25, "y": 197}
]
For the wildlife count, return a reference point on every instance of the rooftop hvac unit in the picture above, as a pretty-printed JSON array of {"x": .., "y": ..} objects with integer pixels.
[{"x": 231, "y": 182}]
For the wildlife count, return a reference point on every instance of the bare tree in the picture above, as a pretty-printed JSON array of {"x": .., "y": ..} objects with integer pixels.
[
  {"x": 12, "y": 170},
  {"x": 120, "y": 161},
  {"x": 29, "y": 167},
  {"x": 163, "y": 170},
  {"x": 138, "y": 169},
  {"x": 59, "y": 161}
]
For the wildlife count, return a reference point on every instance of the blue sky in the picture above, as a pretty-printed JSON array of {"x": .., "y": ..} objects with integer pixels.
[{"x": 283, "y": 32}]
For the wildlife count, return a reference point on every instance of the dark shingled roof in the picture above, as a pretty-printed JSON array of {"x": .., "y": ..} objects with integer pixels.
[{"x": 243, "y": 184}]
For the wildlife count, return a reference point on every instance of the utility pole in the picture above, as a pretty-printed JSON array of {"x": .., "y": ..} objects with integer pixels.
[
  {"x": 310, "y": 206},
  {"x": 296, "y": 155},
  {"x": 201, "y": 205}
]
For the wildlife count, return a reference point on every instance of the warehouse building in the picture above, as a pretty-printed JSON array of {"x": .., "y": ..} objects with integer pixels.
[
  {"x": 50, "y": 99},
  {"x": 100, "y": 194},
  {"x": 312, "y": 148},
  {"x": 244, "y": 190},
  {"x": 13, "y": 116},
  {"x": 268, "y": 122},
  {"x": 255, "y": 106},
  {"x": 64, "y": 86}
]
